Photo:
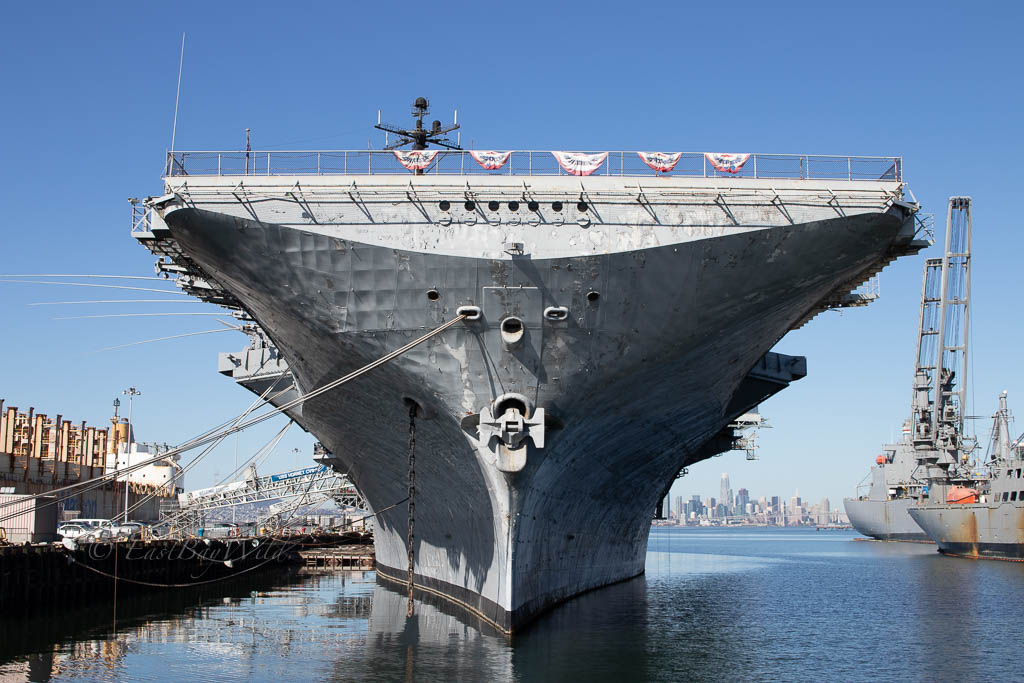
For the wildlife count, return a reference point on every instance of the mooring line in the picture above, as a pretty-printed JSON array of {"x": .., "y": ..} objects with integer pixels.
[{"x": 202, "y": 441}]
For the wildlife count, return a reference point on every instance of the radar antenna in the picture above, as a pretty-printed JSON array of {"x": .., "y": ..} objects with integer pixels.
[{"x": 419, "y": 136}]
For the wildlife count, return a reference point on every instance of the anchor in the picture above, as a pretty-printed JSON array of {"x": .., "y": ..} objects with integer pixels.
[{"x": 504, "y": 429}]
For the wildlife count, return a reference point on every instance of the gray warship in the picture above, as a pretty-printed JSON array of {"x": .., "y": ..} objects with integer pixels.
[
  {"x": 982, "y": 518},
  {"x": 881, "y": 511},
  {"x": 613, "y": 313},
  {"x": 905, "y": 472},
  {"x": 963, "y": 511}
]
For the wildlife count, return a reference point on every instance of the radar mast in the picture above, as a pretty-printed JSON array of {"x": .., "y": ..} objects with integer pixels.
[{"x": 419, "y": 137}]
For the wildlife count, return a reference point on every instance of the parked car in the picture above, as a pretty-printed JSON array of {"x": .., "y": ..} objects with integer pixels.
[
  {"x": 99, "y": 523},
  {"x": 83, "y": 532}
]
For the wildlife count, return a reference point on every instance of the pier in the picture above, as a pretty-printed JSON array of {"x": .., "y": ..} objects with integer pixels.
[{"x": 53, "y": 574}]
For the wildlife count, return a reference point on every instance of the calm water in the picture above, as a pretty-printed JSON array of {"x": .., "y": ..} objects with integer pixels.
[{"x": 728, "y": 604}]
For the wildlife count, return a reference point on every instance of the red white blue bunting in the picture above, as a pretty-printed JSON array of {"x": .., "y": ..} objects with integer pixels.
[
  {"x": 491, "y": 160},
  {"x": 660, "y": 161},
  {"x": 727, "y": 163},
  {"x": 579, "y": 163},
  {"x": 417, "y": 159}
]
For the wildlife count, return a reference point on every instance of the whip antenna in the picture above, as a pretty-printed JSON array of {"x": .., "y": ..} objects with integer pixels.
[{"x": 181, "y": 60}]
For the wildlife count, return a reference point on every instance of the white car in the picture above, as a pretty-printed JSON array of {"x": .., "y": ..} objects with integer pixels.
[
  {"x": 99, "y": 523},
  {"x": 83, "y": 532}
]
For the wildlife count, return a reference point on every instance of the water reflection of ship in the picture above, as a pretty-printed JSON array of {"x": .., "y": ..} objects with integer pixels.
[
  {"x": 76, "y": 639},
  {"x": 553, "y": 648}
]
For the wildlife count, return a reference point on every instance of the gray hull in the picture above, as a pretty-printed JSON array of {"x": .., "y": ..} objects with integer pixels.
[
  {"x": 982, "y": 530},
  {"x": 637, "y": 382},
  {"x": 886, "y": 520}
]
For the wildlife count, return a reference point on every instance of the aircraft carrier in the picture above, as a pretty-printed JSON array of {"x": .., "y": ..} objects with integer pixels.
[{"x": 616, "y": 313}]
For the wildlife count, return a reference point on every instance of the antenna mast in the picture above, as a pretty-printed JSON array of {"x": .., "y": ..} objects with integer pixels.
[
  {"x": 177, "y": 94},
  {"x": 419, "y": 136}
]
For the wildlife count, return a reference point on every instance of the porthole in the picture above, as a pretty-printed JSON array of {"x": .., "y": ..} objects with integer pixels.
[
  {"x": 593, "y": 296},
  {"x": 433, "y": 294},
  {"x": 533, "y": 206},
  {"x": 493, "y": 206},
  {"x": 556, "y": 206},
  {"x": 470, "y": 206},
  {"x": 513, "y": 206},
  {"x": 582, "y": 206},
  {"x": 444, "y": 205}
]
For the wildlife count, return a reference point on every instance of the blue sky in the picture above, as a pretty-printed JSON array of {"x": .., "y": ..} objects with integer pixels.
[{"x": 88, "y": 93}]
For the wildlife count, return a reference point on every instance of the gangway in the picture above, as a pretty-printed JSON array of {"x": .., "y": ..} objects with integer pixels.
[{"x": 290, "y": 490}]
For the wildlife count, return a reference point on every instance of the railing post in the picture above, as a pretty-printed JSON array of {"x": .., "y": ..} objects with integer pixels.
[
  {"x": 849, "y": 168},
  {"x": 268, "y": 163},
  {"x": 218, "y": 164},
  {"x": 755, "y": 166},
  {"x": 318, "y": 163}
]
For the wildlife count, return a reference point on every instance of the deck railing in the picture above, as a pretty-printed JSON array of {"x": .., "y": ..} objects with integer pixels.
[{"x": 524, "y": 163}]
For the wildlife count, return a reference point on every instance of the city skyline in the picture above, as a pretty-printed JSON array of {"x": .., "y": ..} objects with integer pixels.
[{"x": 741, "y": 507}]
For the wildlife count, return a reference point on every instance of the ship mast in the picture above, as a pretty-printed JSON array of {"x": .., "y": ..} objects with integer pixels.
[
  {"x": 418, "y": 136},
  {"x": 1001, "y": 449}
]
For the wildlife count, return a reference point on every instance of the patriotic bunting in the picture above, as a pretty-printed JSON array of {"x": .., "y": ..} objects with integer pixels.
[
  {"x": 728, "y": 163},
  {"x": 660, "y": 161},
  {"x": 416, "y": 160},
  {"x": 492, "y": 161},
  {"x": 578, "y": 163}
]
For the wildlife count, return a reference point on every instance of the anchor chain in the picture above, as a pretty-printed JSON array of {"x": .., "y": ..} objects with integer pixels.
[{"x": 412, "y": 498}]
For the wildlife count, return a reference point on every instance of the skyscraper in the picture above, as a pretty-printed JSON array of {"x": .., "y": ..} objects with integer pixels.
[
  {"x": 726, "y": 497},
  {"x": 742, "y": 498}
]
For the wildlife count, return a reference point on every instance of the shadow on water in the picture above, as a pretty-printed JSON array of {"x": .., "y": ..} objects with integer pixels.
[{"x": 599, "y": 636}]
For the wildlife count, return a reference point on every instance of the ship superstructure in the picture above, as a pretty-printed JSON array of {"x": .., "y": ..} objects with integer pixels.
[{"x": 618, "y": 314}]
